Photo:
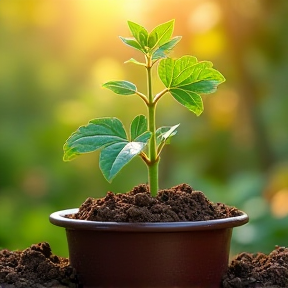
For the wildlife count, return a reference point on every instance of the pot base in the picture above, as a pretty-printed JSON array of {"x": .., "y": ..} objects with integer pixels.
[{"x": 150, "y": 259}]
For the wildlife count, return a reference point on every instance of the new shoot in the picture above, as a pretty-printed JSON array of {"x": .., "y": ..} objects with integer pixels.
[{"x": 185, "y": 79}]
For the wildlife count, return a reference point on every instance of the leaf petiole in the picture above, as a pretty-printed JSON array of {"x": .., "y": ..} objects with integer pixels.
[
  {"x": 142, "y": 96},
  {"x": 159, "y": 95}
]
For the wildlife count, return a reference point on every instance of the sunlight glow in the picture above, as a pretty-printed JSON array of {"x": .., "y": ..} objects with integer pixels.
[
  {"x": 222, "y": 108},
  {"x": 208, "y": 45},
  {"x": 105, "y": 69},
  {"x": 72, "y": 112},
  {"x": 121, "y": 9},
  {"x": 248, "y": 8},
  {"x": 279, "y": 203},
  {"x": 204, "y": 17}
]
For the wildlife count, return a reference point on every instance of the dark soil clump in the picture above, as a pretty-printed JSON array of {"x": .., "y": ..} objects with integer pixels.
[
  {"x": 35, "y": 267},
  {"x": 258, "y": 270},
  {"x": 180, "y": 203}
]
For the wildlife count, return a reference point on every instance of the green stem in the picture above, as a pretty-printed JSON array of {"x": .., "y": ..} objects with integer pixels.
[{"x": 153, "y": 156}]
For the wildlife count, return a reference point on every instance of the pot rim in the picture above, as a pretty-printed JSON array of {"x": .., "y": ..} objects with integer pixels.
[{"x": 58, "y": 218}]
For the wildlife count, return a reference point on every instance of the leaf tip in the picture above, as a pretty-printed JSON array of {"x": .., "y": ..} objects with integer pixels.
[
  {"x": 66, "y": 157},
  {"x": 199, "y": 112}
]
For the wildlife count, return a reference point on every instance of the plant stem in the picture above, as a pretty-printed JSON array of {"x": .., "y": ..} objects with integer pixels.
[{"x": 154, "y": 159}]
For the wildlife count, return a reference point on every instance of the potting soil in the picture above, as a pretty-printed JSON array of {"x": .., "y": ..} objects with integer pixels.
[{"x": 180, "y": 203}]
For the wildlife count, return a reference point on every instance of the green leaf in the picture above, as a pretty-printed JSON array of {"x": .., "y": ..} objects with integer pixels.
[
  {"x": 107, "y": 160},
  {"x": 185, "y": 67},
  {"x": 132, "y": 43},
  {"x": 203, "y": 86},
  {"x": 145, "y": 137},
  {"x": 166, "y": 48},
  {"x": 161, "y": 34},
  {"x": 114, "y": 157},
  {"x": 186, "y": 78},
  {"x": 138, "y": 126},
  {"x": 140, "y": 34},
  {"x": 165, "y": 71},
  {"x": 121, "y": 87},
  {"x": 97, "y": 134},
  {"x": 169, "y": 133},
  {"x": 163, "y": 134},
  {"x": 107, "y": 135},
  {"x": 192, "y": 101}
]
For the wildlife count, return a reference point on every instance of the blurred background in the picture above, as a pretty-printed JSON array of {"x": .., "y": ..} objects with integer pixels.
[{"x": 56, "y": 54}]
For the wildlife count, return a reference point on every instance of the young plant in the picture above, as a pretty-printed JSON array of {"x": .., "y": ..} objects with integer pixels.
[{"x": 184, "y": 78}]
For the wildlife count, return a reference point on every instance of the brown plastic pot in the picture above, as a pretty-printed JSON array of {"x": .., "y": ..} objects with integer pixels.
[{"x": 172, "y": 254}]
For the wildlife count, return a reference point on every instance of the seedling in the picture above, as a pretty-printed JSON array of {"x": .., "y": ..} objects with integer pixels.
[{"x": 184, "y": 78}]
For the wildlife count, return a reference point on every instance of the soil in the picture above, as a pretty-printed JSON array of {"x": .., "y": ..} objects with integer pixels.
[
  {"x": 35, "y": 267},
  {"x": 258, "y": 270},
  {"x": 180, "y": 203}
]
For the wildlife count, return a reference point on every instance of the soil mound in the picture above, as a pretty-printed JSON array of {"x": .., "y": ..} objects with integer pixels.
[
  {"x": 180, "y": 203},
  {"x": 35, "y": 267},
  {"x": 258, "y": 270}
]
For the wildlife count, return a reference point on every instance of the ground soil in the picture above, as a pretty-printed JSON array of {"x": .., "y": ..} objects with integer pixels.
[
  {"x": 258, "y": 270},
  {"x": 37, "y": 267}
]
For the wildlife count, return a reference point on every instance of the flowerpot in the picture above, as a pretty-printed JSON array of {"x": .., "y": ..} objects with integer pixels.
[{"x": 166, "y": 254}]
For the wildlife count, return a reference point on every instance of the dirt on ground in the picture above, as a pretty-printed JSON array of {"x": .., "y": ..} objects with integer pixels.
[
  {"x": 35, "y": 267},
  {"x": 180, "y": 203},
  {"x": 258, "y": 270}
]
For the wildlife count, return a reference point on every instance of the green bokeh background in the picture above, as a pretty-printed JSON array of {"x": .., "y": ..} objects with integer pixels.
[{"x": 54, "y": 56}]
